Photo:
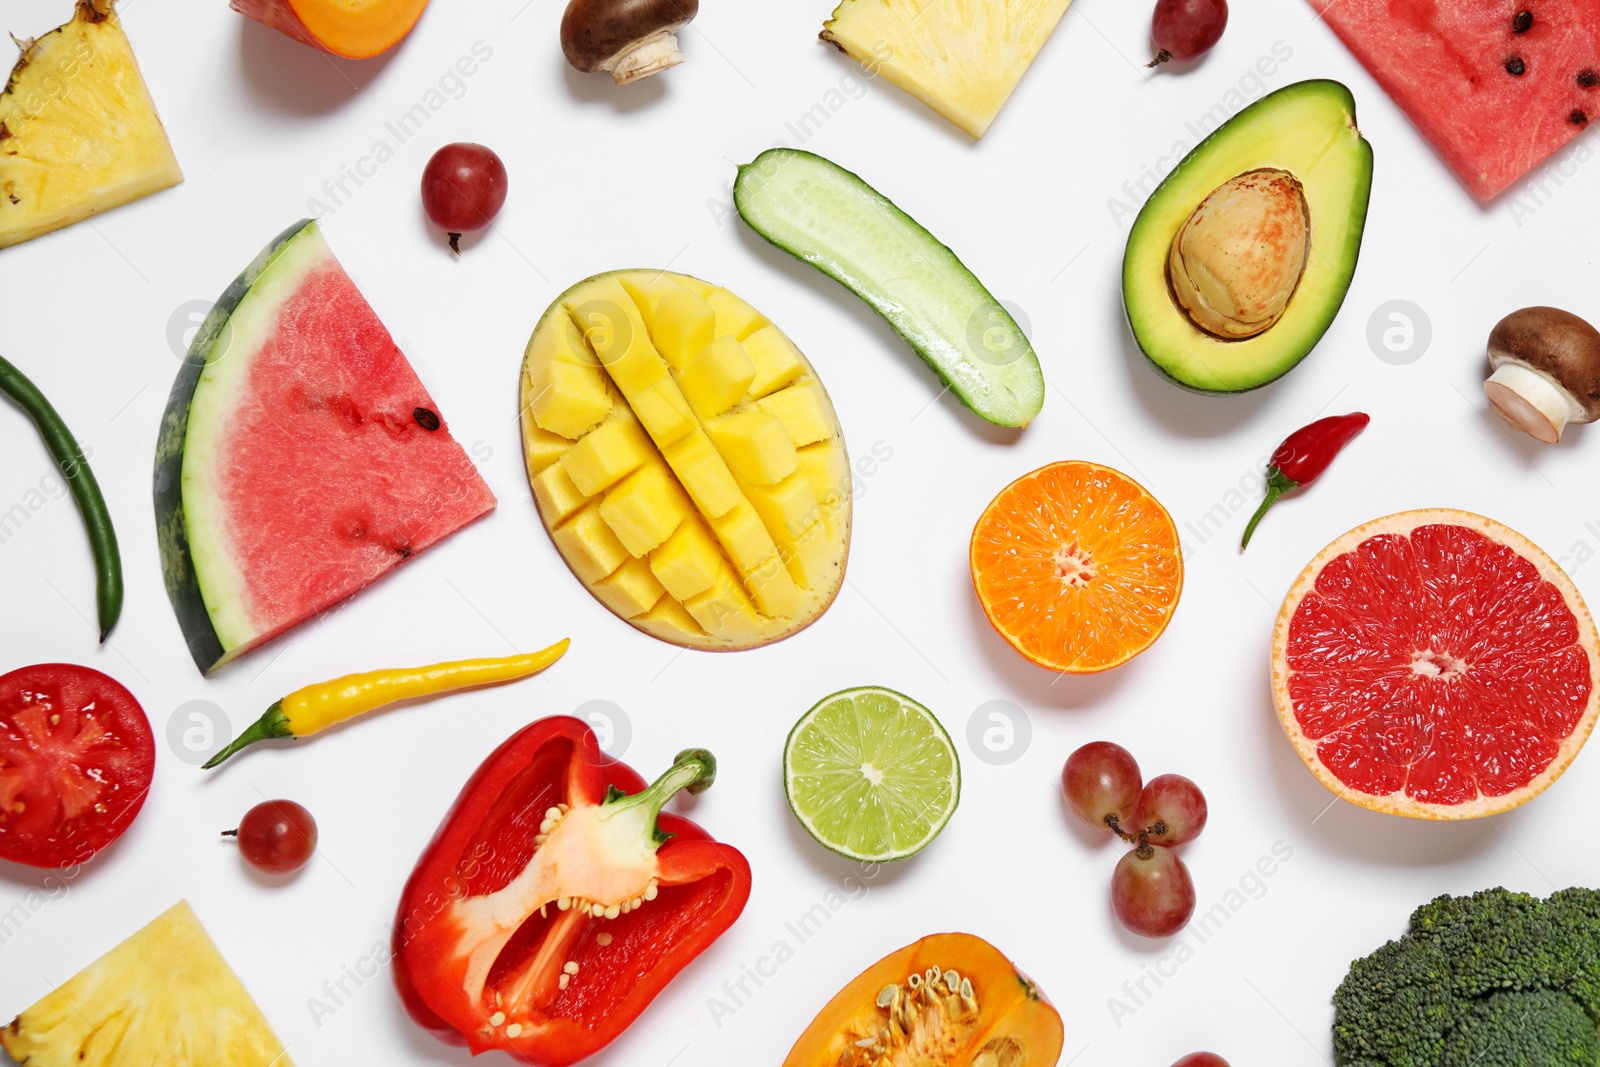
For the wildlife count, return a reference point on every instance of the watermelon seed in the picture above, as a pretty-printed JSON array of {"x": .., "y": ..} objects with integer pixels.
[
  {"x": 428, "y": 420},
  {"x": 1588, "y": 79},
  {"x": 1516, "y": 66},
  {"x": 1578, "y": 118},
  {"x": 1523, "y": 22}
]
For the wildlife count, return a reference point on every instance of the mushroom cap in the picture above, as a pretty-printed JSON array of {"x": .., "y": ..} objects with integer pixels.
[
  {"x": 595, "y": 31},
  {"x": 1556, "y": 342}
]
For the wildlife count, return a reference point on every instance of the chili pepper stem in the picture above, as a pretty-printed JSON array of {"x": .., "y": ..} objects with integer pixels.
[
  {"x": 1277, "y": 485},
  {"x": 694, "y": 769},
  {"x": 272, "y": 725}
]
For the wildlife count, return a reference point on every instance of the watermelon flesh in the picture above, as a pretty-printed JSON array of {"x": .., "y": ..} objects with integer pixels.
[
  {"x": 308, "y": 458},
  {"x": 1445, "y": 63},
  {"x": 1439, "y": 664}
]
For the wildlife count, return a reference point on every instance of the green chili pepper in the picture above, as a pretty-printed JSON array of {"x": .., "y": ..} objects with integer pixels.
[{"x": 85, "y": 490}]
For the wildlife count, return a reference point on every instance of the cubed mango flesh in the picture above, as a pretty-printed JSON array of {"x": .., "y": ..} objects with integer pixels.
[
  {"x": 778, "y": 362},
  {"x": 615, "y": 449},
  {"x": 704, "y": 473},
  {"x": 555, "y": 494},
  {"x": 664, "y": 412},
  {"x": 804, "y": 412},
  {"x": 744, "y": 538},
  {"x": 661, "y": 419},
  {"x": 717, "y": 377},
  {"x": 588, "y": 545},
  {"x": 735, "y": 318},
  {"x": 689, "y": 561},
  {"x": 755, "y": 444},
  {"x": 669, "y": 621},
  {"x": 568, "y": 398},
  {"x": 644, "y": 508},
  {"x": 630, "y": 590},
  {"x": 681, "y": 324},
  {"x": 829, "y": 470}
]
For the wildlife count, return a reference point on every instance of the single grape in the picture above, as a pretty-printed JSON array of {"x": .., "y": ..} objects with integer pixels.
[
  {"x": 1201, "y": 1059},
  {"x": 1187, "y": 29},
  {"x": 1175, "y": 803},
  {"x": 1151, "y": 892},
  {"x": 1101, "y": 781},
  {"x": 463, "y": 189},
  {"x": 276, "y": 836}
]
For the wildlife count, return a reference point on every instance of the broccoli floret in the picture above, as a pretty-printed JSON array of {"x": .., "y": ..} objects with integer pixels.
[
  {"x": 1516, "y": 1028},
  {"x": 1497, "y": 979}
]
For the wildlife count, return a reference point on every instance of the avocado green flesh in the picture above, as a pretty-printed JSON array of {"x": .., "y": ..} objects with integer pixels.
[
  {"x": 826, "y": 216},
  {"x": 201, "y": 579},
  {"x": 1309, "y": 130}
]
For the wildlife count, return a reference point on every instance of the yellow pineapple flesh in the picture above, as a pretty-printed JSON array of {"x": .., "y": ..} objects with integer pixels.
[
  {"x": 79, "y": 133},
  {"x": 665, "y": 425},
  {"x": 960, "y": 57},
  {"x": 164, "y": 996}
]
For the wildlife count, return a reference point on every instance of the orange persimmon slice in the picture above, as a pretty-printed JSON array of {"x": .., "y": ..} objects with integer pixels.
[{"x": 1077, "y": 566}]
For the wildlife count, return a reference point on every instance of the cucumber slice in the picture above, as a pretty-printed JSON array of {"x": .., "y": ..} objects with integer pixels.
[{"x": 821, "y": 213}]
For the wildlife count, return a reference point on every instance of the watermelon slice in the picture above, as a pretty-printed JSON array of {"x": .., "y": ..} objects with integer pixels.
[
  {"x": 300, "y": 458},
  {"x": 1495, "y": 85}
]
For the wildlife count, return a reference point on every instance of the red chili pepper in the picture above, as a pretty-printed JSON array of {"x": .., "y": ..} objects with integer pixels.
[
  {"x": 1303, "y": 456},
  {"x": 556, "y": 900}
]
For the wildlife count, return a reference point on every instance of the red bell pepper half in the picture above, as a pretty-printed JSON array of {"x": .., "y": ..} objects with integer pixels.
[{"x": 556, "y": 900}]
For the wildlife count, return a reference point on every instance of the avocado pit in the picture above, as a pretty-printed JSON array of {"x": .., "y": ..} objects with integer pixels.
[{"x": 1237, "y": 260}]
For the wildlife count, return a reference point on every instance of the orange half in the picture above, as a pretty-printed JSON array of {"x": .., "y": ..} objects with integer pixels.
[{"x": 1077, "y": 566}]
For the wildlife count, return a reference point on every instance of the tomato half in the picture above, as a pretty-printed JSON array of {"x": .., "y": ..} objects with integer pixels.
[{"x": 76, "y": 759}]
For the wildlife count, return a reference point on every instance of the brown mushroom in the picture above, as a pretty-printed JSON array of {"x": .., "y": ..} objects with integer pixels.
[
  {"x": 1546, "y": 366},
  {"x": 630, "y": 39}
]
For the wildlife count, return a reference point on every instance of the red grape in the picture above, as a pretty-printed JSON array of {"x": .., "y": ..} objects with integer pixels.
[
  {"x": 1102, "y": 781},
  {"x": 1174, "y": 802},
  {"x": 463, "y": 189},
  {"x": 1151, "y": 892},
  {"x": 1201, "y": 1059},
  {"x": 276, "y": 836},
  {"x": 1186, "y": 29}
]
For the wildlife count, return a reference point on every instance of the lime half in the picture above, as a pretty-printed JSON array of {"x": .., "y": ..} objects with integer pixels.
[{"x": 871, "y": 774}]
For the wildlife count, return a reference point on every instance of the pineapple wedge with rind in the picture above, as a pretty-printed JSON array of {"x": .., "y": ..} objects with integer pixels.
[
  {"x": 79, "y": 133},
  {"x": 962, "y": 58},
  {"x": 685, "y": 511},
  {"x": 164, "y": 996}
]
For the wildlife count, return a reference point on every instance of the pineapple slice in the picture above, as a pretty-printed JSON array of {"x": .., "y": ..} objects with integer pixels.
[
  {"x": 79, "y": 133},
  {"x": 960, "y": 57},
  {"x": 165, "y": 995},
  {"x": 688, "y": 509}
]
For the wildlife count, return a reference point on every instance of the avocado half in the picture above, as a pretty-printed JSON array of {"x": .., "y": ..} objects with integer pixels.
[{"x": 1308, "y": 129}]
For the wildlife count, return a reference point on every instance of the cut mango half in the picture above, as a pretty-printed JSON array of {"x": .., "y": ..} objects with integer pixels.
[{"x": 686, "y": 460}]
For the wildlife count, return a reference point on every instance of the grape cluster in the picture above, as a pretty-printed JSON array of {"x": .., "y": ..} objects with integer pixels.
[{"x": 1151, "y": 890}]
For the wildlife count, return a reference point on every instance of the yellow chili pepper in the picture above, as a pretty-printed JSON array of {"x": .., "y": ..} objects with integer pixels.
[{"x": 316, "y": 707}]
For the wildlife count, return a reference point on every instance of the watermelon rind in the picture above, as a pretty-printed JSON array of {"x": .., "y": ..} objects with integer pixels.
[{"x": 210, "y": 613}]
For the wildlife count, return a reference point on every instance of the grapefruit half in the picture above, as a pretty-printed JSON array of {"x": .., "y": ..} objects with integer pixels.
[{"x": 1435, "y": 664}]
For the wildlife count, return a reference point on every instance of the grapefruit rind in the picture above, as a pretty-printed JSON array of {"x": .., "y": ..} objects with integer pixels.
[
  {"x": 1019, "y": 642},
  {"x": 1403, "y": 523}
]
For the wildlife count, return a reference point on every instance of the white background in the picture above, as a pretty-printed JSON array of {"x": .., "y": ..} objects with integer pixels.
[{"x": 604, "y": 178}]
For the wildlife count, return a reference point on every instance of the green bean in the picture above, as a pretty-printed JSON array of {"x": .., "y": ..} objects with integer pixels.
[{"x": 85, "y": 490}]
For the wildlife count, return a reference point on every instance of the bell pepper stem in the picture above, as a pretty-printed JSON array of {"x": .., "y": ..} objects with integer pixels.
[
  {"x": 272, "y": 725},
  {"x": 694, "y": 769},
  {"x": 1277, "y": 485}
]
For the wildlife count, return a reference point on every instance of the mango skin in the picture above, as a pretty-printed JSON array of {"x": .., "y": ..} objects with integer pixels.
[{"x": 660, "y": 417}]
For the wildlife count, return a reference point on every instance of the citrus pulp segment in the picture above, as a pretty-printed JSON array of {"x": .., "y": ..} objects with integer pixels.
[
  {"x": 871, "y": 774},
  {"x": 1077, "y": 566},
  {"x": 1435, "y": 664}
]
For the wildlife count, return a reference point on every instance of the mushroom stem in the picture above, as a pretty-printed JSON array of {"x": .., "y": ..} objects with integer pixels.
[
  {"x": 1531, "y": 401},
  {"x": 645, "y": 57}
]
